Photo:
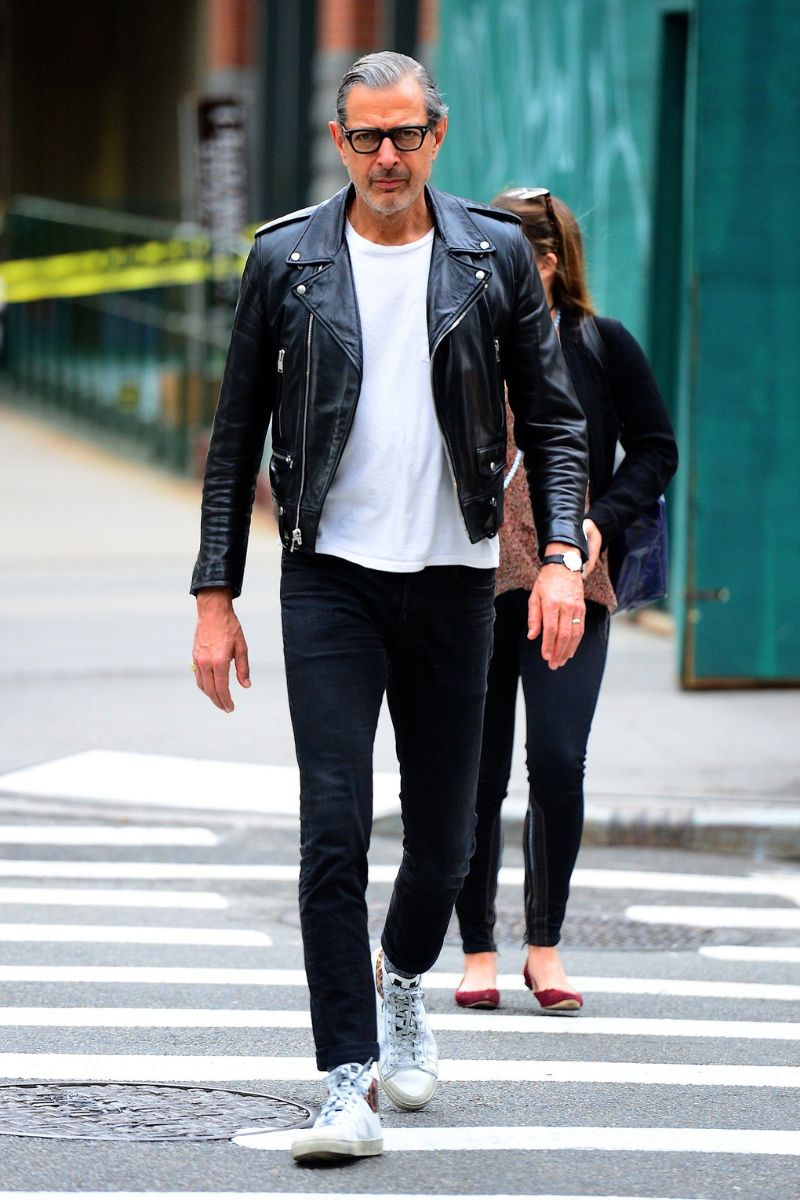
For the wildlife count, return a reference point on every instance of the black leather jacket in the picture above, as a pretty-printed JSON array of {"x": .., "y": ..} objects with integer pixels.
[{"x": 295, "y": 359}]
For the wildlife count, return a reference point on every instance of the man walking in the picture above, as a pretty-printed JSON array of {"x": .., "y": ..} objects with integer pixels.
[{"x": 375, "y": 332}]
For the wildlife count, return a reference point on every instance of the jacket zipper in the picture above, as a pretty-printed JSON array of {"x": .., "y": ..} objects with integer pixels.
[
  {"x": 448, "y": 448},
  {"x": 297, "y": 534},
  {"x": 281, "y": 355}
]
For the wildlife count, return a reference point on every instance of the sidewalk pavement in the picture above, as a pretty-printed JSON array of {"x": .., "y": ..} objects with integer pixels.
[{"x": 96, "y": 554}]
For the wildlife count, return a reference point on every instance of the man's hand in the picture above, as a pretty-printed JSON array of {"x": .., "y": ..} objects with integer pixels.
[
  {"x": 594, "y": 540},
  {"x": 218, "y": 639},
  {"x": 556, "y": 610}
]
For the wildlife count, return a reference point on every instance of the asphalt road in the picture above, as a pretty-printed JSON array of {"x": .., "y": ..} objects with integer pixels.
[{"x": 683, "y": 1106}]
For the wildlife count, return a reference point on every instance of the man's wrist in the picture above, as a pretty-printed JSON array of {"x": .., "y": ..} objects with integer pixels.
[
  {"x": 570, "y": 560},
  {"x": 214, "y": 597}
]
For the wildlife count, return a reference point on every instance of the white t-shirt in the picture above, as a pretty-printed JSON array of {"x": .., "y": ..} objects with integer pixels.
[{"x": 392, "y": 505}]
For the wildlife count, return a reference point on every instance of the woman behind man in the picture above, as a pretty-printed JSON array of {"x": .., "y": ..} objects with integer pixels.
[{"x": 621, "y": 402}]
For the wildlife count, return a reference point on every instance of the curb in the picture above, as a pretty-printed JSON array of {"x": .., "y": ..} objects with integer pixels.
[{"x": 719, "y": 826}]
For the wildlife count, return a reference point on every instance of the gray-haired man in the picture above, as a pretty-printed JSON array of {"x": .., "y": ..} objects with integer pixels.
[{"x": 376, "y": 332}]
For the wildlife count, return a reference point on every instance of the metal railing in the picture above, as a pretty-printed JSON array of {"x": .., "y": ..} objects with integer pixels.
[{"x": 141, "y": 363}]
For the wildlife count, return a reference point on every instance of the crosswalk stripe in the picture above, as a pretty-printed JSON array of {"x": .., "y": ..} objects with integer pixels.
[
  {"x": 710, "y": 917},
  {"x": 770, "y": 954},
  {"x": 787, "y": 886},
  {"x": 195, "y": 1068},
  {"x": 110, "y": 898},
  {"x": 587, "y": 1137},
  {"x": 106, "y": 835},
  {"x": 115, "y": 777},
  {"x": 143, "y": 935},
  {"x": 533, "y": 1024},
  {"x": 65, "y": 869},
  {"x": 755, "y": 884},
  {"x": 277, "y": 977}
]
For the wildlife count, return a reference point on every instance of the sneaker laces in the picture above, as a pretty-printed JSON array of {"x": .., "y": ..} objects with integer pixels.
[
  {"x": 347, "y": 1084},
  {"x": 405, "y": 1017}
]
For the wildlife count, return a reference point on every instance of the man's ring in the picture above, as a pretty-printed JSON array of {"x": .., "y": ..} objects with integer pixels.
[
  {"x": 576, "y": 621},
  {"x": 194, "y": 667}
]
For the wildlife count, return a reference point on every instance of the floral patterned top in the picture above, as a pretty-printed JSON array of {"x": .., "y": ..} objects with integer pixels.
[{"x": 519, "y": 558}]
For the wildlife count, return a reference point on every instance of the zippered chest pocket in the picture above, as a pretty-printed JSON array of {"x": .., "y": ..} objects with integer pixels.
[{"x": 279, "y": 433}]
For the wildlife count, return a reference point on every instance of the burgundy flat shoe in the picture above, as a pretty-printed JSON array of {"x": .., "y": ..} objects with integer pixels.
[
  {"x": 486, "y": 998},
  {"x": 554, "y": 999}
]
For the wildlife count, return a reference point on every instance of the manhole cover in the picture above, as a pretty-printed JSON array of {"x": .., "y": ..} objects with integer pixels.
[
  {"x": 140, "y": 1112},
  {"x": 585, "y": 932}
]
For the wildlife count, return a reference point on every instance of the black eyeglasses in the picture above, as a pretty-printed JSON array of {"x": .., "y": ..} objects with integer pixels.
[
  {"x": 529, "y": 195},
  {"x": 402, "y": 137}
]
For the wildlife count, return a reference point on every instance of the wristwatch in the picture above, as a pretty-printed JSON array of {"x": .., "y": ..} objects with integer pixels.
[{"x": 571, "y": 560}]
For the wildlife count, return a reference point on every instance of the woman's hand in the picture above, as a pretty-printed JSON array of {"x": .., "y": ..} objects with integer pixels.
[{"x": 594, "y": 539}]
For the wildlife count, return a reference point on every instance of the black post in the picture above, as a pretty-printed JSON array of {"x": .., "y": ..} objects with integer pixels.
[
  {"x": 401, "y": 26},
  {"x": 288, "y": 37}
]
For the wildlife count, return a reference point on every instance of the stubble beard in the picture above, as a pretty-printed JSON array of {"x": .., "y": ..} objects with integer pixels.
[{"x": 390, "y": 203}]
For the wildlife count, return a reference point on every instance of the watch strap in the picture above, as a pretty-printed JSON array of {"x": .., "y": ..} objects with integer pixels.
[{"x": 556, "y": 558}]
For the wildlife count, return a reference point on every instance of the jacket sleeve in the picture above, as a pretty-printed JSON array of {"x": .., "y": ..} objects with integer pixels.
[
  {"x": 237, "y": 441},
  {"x": 549, "y": 425},
  {"x": 645, "y": 433}
]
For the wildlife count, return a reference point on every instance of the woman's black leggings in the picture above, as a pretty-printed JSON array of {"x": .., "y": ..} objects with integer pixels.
[{"x": 559, "y": 708}]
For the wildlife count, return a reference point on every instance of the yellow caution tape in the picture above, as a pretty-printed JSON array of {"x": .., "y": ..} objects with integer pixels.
[{"x": 118, "y": 269}]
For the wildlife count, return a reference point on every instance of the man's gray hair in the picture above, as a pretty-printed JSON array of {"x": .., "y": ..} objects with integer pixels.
[{"x": 385, "y": 69}]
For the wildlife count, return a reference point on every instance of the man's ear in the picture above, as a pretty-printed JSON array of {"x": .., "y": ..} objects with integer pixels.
[
  {"x": 439, "y": 130},
  {"x": 338, "y": 137}
]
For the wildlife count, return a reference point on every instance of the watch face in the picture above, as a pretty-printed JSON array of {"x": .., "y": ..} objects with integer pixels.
[{"x": 573, "y": 560}]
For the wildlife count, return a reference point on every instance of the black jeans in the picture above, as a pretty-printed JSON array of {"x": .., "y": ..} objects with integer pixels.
[
  {"x": 424, "y": 638},
  {"x": 559, "y": 707}
]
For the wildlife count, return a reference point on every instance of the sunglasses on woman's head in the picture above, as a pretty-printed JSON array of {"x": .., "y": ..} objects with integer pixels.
[{"x": 528, "y": 195}]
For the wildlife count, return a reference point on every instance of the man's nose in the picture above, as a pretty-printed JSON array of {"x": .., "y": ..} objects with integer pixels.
[{"x": 387, "y": 154}]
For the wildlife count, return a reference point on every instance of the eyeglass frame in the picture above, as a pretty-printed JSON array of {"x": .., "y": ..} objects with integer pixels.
[
  {"x": 423, "y": 131},
  {"x": 540, "y": 193}
]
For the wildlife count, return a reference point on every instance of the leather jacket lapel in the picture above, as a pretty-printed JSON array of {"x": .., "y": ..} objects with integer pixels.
[
  {"x": 453, "y": 284},
  {"x": 328, "y": 290},
  {"x": 460, "y": 265},
  {"x": 331, "y": 296}
]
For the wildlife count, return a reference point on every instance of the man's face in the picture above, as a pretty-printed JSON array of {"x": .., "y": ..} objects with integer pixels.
[{"x": 390, "y": 180}]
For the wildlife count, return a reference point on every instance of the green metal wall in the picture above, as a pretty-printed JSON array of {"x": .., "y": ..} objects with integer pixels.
[
  {"x": 744, "y": 527},
  {"x": 671, "y": 128}
]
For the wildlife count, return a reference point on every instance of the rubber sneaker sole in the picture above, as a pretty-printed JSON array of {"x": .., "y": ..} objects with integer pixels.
[
  {"x": 323, "y": 1147},
  {"x": 401, "y": 1099}
]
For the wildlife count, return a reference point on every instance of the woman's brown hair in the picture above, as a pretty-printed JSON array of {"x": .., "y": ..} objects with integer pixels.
[{"x": 559, "y": 235}]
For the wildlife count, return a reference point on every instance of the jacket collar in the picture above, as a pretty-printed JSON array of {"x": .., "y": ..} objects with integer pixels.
[{"x": 323, "y": 235}]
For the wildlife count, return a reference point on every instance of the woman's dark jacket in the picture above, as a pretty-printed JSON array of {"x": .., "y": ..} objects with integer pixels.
[
  {"x": 295, "y": 359},
  {"x": 621, "y": 401}
]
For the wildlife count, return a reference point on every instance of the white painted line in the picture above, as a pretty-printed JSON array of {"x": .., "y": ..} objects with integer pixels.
[
  {"x": 559, "y": 1137},
  {"x": 276, "y": 977},
  {"x": 143, "y": 935},
  {"x": 217, "y": 872},
  {"x": 786, "y": 884},
  {"x": 105, "y": 835},
  {"x": 713, "y": 917},
  {"x": 477, "y": 1022},
  {"x": 159, "y": 1068},
  {"x": 160, "y": 781},
  {"x": 110, "y": 898},
  {"x": 769, "y": 954}
]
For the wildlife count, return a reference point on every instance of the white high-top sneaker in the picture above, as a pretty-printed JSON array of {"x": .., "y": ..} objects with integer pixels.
[
  {"x": 409, "y": 1064},
  {"x": 348, "y": 1125}
]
